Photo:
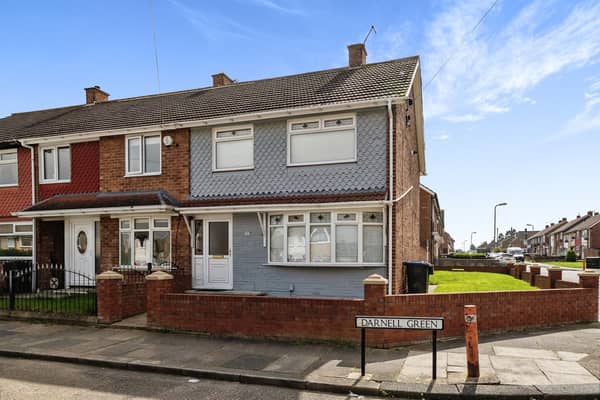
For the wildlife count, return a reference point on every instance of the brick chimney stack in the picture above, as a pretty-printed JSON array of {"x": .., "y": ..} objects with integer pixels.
[
  {"x": 221, "y": 79},
  {"x": 95, "y": 95},
  {"x": 590, "y": 213},
  {"x": 357, "y": 55}
]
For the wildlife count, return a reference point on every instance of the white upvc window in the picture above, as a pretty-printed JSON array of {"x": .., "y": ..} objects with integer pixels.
[
  {"x": 144, "y": 240},
  {"x": 143, "y": 155},
  {"x": 16, "y": 239},
  {"x": 326, "y": 237},
  {"x": 55, "y": 164},
  {"x": 9, "y": 168},
  {"x": 322, "y": 140},
  {"x": 233, "y": 148}
]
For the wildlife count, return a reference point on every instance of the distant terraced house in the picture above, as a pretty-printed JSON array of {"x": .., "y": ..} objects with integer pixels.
[{"x": 300, "y": 185}]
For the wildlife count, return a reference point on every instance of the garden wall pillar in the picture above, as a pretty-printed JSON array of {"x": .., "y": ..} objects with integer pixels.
[
  {"x": 109, "y": 294},
  {"x": 157, "y": 284},
  {"x": 555, "y": 274}
]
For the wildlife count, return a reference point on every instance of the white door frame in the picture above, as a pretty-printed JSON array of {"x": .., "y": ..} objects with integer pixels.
[
  {"x": 205, "y": 257},
  {"x": 70, "y": 248}
]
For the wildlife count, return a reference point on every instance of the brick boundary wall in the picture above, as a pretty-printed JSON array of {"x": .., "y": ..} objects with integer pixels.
[{"x": 333, "y": 319}]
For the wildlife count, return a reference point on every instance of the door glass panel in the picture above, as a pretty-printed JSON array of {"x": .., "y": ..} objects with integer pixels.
[
  {"x": 218, "y": 238},
  {"x": 199, "y": 229}
]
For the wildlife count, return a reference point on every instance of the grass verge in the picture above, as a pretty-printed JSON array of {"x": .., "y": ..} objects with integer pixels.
[{"x": 569, "y": 264}]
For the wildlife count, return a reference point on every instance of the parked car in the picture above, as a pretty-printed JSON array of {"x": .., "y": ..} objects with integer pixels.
[{"x": 517, "y": 253}]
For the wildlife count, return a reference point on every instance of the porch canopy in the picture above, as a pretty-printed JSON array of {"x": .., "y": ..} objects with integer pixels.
[{"x": 101, "y": 203}]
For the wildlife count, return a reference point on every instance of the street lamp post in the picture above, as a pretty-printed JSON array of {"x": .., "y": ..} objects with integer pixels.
[
  {"x": 472, "y": 233},
  {"x": 495, "y": 234}
]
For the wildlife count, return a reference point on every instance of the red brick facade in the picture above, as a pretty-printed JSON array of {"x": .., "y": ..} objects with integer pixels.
[
  {"x": 405, "y": 226},
  {"x": 85, "y": 172},
  {"x": 174, "y": 177},
  {"x": 15, "y": 198}
]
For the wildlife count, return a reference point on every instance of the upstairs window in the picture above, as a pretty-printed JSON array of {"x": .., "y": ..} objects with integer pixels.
[
  {"x": 9, "y": 175},
  {"x": 233, "y": 148},
  {"x": 142, "y": 155},
  {"x": 55, "y": 164},
  {"x": 323, "y": 140}
]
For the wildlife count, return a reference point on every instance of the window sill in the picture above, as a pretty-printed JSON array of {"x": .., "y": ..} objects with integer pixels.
[
  {"x": 321, "y": 163},
  {"x": 9, "y": 186},
  {"x": 233, "y": 169},
  {"x": 142, "y": 175},
  {"x": 54, "y": 182},
  {"x": 325, "y": 265}
]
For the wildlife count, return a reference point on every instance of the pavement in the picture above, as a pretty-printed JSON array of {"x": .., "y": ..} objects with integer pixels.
[{"x": 550, "y": 363}]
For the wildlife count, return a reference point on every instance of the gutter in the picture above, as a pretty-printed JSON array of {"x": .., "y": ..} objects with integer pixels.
[{"x": 94, "y": 211}]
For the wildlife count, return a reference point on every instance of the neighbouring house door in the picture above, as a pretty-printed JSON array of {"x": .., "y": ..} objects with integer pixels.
[
  {"x": 81, "y": 241},
  {"x": 213, "y": 267}
]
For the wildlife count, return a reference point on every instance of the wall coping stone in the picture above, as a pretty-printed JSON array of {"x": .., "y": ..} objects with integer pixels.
[
  {"x": 588, "y": 273},
  {"x": 159, "y": 276},
  {"x": 375, "y": 279},
  {"x": 109, "y": 275}
]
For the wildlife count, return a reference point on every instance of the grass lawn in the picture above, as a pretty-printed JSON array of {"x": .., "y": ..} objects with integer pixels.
[
  {"x": 459, "y": 281},
  {"x": 570, "y": 264},
  {"x": 82, "y": 304}
]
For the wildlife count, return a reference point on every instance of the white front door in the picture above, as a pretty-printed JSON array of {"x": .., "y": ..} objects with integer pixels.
[
  {"x": 81, "y": 242},
  {"x": 213, "y": 266}
]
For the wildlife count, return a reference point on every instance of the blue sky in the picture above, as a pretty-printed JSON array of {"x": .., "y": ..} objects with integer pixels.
[{"x": 513, "y": 116}]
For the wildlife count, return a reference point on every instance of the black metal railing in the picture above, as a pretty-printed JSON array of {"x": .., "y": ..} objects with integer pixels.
[{"x": 46, "y": 288}]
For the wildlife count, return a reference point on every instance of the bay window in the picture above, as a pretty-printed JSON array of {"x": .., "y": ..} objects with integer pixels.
[
  {"x": 9, "y": 175},
  {"x": 55, "y": 164},
  {"x": 233, "y": 148},
  {"x": 145, "y": 240},
  {"x": 142, "y": 155},
  {"x": 322, "y": 140},
  {"x": 327, "y": 237}
]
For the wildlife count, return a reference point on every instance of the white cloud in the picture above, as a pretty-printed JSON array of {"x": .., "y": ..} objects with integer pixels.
[
  {"x": 496, "y": 65},
  {"x": 277, "y": 6},
  {"x": 390, "y": 43},
  {"x": 463, "y": 118},
  {"x": 589, "y": 118},
  {"x": 212, "y": 25},
  {"x": 443, "y": 137}
]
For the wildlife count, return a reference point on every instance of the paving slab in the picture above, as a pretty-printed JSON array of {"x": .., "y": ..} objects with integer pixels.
[
  {"x": 525, "y": 353},
  {"x": 570, "y": 356}
]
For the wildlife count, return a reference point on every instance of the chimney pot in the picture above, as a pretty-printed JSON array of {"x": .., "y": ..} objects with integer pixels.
[
  {"x": 590, "y": 213},
  {"x": 221, "y": 79},
  {"x": 357, "y": 55},
  {"x": 95, "y": 95}
]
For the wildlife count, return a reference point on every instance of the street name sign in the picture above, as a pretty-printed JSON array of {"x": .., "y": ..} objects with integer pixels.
[
  {"x": 432, "y": 324},
  {"x": 419, "y": 323}
]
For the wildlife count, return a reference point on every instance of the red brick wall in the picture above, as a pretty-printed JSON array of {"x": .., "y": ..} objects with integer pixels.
[
  {"x": 16, "y": 198},
  {"x": 109, "y": 243},
  {"x": 594, "y": 237},
  {"x": 425, "y": 223},
  {"x": 333, "y": 319},
  {"x": 174, "y": 178},
  {"x": 50, "y": 242},
  {"x": 85, "y": 161},
  {"x": 405, "y": 236}
]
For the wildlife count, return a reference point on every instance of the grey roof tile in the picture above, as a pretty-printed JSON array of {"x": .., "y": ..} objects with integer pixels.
[{"x": 370, "y": 81}]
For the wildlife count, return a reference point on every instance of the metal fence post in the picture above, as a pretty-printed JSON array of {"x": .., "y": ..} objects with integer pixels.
[{"x": 11, "y": 290}]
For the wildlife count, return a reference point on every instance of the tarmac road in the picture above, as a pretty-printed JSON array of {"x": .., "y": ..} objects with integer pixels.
[{"x": 27, "y": 379}]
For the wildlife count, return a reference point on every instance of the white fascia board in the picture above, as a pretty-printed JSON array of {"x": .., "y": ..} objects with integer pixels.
[
  {"x": 238, "y": 118},
  {"x": 94, "y": 211},
  {"x": 280, "y": 207}
]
